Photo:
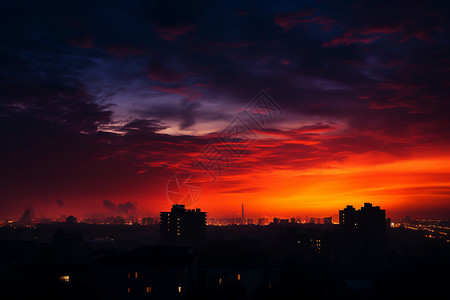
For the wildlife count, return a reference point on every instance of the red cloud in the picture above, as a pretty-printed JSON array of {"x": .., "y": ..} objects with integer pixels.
[
  {"x": 322, "y": 20},
  {"x": 163, "y": 74},
  {"x": 231, "y": 45},
  {"x": 182, "y": 90},
  {"x": 369, "y": 34},
  {"x": 290, "y": 19},
  {"x": 122, "y": 50},
  {"x": 350, "y": 38},
  {"x": 171, "y": 33},
  {"x": 242, "y": 13}
]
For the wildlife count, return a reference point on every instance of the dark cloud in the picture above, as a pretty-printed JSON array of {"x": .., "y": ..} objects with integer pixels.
[
  {"x": 162, "y": 73},
  {"x": 127, "y": 208},
  {"x": 88, "y": 88},
  {"x": 60, "y": 203},
  {"x": 109, "y": 205}
]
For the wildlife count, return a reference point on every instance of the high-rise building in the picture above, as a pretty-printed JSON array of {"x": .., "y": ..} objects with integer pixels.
[
  {"x": 347, "y": 216},
  {"x": 27, "y": 217},
  {"x": 71, "y": 220},
  {"x": 371, "y": 219},
  {"x": 364, "y": 234},
  {"x": 388, "y": 222},
  {"x": 182, "y": 225}
]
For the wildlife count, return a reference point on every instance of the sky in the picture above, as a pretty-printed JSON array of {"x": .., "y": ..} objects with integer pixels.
[{"x": 103, "y": 102}]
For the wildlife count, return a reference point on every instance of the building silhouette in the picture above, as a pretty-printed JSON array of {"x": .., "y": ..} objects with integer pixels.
[
  {"x": 347, "y": 217},
  {"x": 371, "y": 220},
  {"x": 363, "y": 243},
  {"x": 27, "y": 217},
  {"x": 182, "y": 225},
  {"x": 71, "y": 220}
]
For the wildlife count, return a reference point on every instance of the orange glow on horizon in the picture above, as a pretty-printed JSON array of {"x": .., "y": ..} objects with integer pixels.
[{"x": 394, "y": 186}]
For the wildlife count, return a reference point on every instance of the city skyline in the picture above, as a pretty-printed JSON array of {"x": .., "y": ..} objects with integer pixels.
[
  {"x": 28, "y": 218},
  {"x": 224, "y": 149},
  {"x": 103, "y": 105}
]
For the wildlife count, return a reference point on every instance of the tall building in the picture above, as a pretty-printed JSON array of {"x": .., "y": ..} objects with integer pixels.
[
  {"x": 371, "y": 219},
  {"x": 347, "y": 216},
  {"x": 182, "y": 225},
  {"x": 71, "y": 220},
  {"x": 27, "y": 217},
  {"x": 364, "y": 246}
]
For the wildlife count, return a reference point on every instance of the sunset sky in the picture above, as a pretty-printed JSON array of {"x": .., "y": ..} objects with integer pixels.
[{"x": 102, "y": 102}]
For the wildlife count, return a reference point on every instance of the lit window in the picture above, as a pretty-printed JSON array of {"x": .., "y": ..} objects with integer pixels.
[
  {"x": 64, "y": 278},
  {"x": 129, "y": 290},
  {"x": 179, "y": 289},
  {"x": 239, "y": 276},
  {"x": 149, "y": 289},
  {"x": 129, "y": 275},
  {"x": 136, "y": 275},
  {"x": 220, "y": 280}
]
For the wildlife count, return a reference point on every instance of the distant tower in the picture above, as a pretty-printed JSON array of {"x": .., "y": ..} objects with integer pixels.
[
  {"x": 27, "y": 217},
  {"x": 242, "y": 211},
  {"x": 71, "y": 220}
]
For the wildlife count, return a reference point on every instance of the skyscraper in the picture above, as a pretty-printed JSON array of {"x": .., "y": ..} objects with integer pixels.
[
  {"x": 27, "y": 217},
  {"x": 372, "y": 220},
  {"x": 182, "y": 225},
  {"x": 347, "y": 216}
]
